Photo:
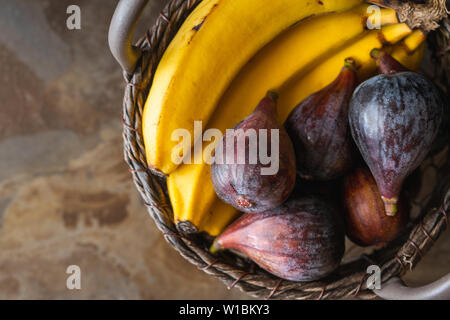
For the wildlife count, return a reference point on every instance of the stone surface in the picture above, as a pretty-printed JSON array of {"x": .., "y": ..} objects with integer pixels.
[{"x": 66, "y": 196}]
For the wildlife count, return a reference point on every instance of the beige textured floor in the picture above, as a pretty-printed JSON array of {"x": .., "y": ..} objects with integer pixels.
[{"x": 66, "y": 196}]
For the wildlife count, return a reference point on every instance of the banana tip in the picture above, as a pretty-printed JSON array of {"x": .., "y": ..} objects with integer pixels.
[{"x": 272, "y": 94}]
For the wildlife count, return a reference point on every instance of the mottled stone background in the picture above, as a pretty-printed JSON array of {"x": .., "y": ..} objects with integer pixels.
[{"x": 66, "y": 196}]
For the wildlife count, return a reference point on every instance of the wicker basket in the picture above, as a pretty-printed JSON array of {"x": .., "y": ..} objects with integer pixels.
[{"x": 349, "y": 280}]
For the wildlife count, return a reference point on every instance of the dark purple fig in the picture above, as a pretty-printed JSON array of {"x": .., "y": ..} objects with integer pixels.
[
  {"x": 394, "y": 119},
  {"x": 254, "y": 167},
  {"x": 301, "y": 240},
  {"x": 365, "y": 217},
  {"x": 318, "y": 127},
  {"x": 386, "y": 63}
]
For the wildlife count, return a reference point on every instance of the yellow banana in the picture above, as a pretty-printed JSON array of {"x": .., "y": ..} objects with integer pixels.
[
  {"x": 212, "y": 45},
  {"x": 190, "y": 188}
]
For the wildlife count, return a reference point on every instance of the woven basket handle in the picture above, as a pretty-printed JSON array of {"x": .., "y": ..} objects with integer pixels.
[
  {"x": 121, "y": 32},
  {"x": 395, "y": 289}
]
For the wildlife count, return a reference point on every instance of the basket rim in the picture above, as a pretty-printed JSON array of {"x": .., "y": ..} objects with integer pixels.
[{"x": 394, "y": 260}]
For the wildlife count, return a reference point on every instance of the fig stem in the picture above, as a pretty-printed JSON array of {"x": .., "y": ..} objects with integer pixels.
[
  {"x": 375, "y": 53},
  {"x": 390, "y": 205},
  {"x": 272, "y": 95},
  {"x": 350, "y": 64}
]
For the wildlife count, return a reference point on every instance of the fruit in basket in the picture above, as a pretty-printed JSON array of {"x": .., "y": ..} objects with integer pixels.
[
  {"x": 388, "y": 63},
  {"x": 217, "y": 39},
  {"x": 299, "y": 241},
  {"x": 406, "y": 56},
  {"x": 394, "y": 119},
  {"x": 193, "y": 196},
  {"x": 254, "y": 164},
  {"x": 191, "y": 192},
  {"x": 365, "y": 217},
  {"x": 412, "y": 185},
  {"x": 319, "y": 130}
]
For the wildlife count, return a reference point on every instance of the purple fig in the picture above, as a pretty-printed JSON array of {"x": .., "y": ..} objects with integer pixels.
[
  {"x": 318, "y": 127},
  {"x": 394, "y": 119},
  {"x": 386, "y": 65},
  {"x": 301, "y": 240},
  {"x": 254, "y": 167}
]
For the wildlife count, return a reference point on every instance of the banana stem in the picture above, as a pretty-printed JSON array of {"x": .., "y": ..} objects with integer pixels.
[
  {"x": 414, "y": 40},
  {"x": 394, "y": 33}
]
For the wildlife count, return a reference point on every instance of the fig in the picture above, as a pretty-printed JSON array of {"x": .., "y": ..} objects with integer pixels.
[
  {"x": 319, "y": 130},
  {"x": 254, "y": 168},
  {"x": 365, "y": 218},
  {"x": 386, "y": 63},
  {"x": 300, "y": 240},
  {"x": 394, "y": 119}
]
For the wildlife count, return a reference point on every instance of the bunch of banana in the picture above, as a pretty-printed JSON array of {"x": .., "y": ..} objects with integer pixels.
[
  {"x": 205, "y": 75},
  {"x": 217, "y": 39}
]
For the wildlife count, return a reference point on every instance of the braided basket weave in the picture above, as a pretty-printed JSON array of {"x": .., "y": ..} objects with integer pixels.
[{"x": 348, "y": 281}]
